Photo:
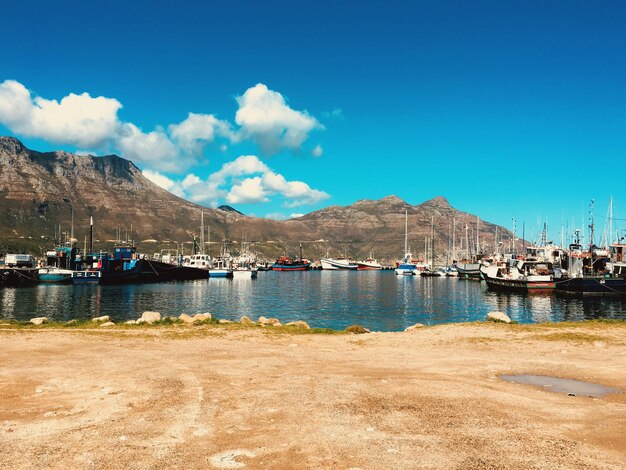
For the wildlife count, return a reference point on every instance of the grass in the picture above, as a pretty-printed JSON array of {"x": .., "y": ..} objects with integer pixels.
[{"x": 570, "y": 336}]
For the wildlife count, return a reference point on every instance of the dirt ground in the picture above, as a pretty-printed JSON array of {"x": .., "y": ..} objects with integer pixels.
[{"x": 220, "y": 398}]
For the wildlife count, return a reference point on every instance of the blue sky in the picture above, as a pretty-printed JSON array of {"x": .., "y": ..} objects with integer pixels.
[{"x": 508, "y": 109}]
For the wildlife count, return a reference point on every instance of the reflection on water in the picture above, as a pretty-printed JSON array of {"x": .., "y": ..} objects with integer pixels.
[{"x": 377, "y": 300}]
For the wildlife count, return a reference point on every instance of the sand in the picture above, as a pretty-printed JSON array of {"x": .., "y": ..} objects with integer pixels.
[{"x": 204, "y": 397}]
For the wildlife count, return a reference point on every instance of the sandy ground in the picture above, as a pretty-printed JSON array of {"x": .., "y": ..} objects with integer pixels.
[{"x": 217, "y": 398}]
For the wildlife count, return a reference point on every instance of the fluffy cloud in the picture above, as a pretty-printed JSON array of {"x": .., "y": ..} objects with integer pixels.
[
  {"x": 246, "y": 180},
  {"x": 78, "y": 120},
  {"x": 265, "y": 117},
  {"x": 164, "y": 182},
  {"x": 85, "y": 122},
  {"x": 317, "y": 151}
]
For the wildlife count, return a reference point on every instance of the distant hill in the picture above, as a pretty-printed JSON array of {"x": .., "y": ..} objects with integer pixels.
[{"x": 38, "y": 191}]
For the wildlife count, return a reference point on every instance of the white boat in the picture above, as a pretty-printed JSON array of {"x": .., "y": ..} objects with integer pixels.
[
  {"x": 338, "y": 263},
  {"x": 406, "y": 267},
  {"x": 370, "y": 264},
  {"x": 54, "y": 275},
  {"x": 200, "y": 261},
  {"x": 244, "y": 273}
]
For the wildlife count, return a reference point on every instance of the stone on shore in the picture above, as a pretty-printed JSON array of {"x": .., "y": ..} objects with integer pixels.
[
  {"x": 103, "y": 319},
  {"x": 269, "y": 321},
  {"x": 201, "y": 317},
  {"x": 357, "y": 329},
  {"x": 223, "y": 321},
  {"x": 150, "y": 317},
  {"x": 39, "y": 320},
  {"x": 185, "y": 318},
  {"x": 417, "y": 326},
  {"x": 299, "y": 324},
  {"x": 107, "y": 324},
  {"x": 72, "y": 322},
  {"x": 498, "y": 317},
  {"x": 130, "y": 322},
  {"x": 246, "y": 321}
]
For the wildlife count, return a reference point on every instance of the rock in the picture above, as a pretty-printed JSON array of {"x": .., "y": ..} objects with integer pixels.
[
  {"x": 151, "y": 317},
  {"x": 246, "y": 321},
  {"x": 498, "y": 317},
  {"x": 299, "y": 324},
  {"x": 417, "y": 326},
  {"x": 185, "y": 318},
  {"x": 201, "y": 317},
  {"x": 224, "y": 321},
  {"x": 140, "y": 321},
  {"x": 39, "y": 320},
  {"x": 107, "y": 324},
  {"x": 72, "y": 322},
  {"x": 357, "y": 329},
  {"x": 130, "y": 322},
  {"x": 103, "y": 318},
  {"x": 269, "y": 321}
]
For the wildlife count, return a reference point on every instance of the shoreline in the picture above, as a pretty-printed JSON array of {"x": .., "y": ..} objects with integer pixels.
[{"x": 218, "y": 396}]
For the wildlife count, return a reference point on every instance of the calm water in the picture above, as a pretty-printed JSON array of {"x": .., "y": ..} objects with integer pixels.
[{"x": 378, "y": 300}]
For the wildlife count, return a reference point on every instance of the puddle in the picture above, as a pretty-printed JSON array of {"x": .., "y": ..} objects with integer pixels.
[{"x": 567, "y": 386}]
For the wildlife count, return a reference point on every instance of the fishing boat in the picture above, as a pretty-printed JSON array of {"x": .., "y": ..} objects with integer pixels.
[
  {"x": 467, "y": 270},
  {"x": 285, "y": 263},
  {"x": 334, "y": 264},
  {"x": 221, "y": 266},
  {"x": 54, "y": 275},
  {"x": 244, "y": 265},
  {"x": 370, "y": 264},
  {"x": 519, "y": 276}
]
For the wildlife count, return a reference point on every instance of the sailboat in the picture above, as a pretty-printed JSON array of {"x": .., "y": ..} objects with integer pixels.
[{"x": 406, "y": 267}]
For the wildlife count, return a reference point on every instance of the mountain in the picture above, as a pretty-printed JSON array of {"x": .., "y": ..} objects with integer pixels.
[{"x": 39, "y": 192}]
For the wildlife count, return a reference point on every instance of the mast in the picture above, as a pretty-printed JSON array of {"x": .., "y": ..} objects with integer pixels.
[
  {"x": 453, "y": 239},
  {"x": 406, "y": 233},
  {"x": 72, "y": 229},
  {"x": 91, "y": 234},
  {"x": 591, "y": 224},
  {"x": 477, "y": 235},
  {"x": 300, "y": 251},
  {"x": 467, "y": 247},
  {"x": 201, "y": 232},
  {"x": 432, "y": 243}
]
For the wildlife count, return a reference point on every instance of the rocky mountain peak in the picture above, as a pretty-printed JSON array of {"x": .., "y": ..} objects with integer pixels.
[
  {"x": 392, "y": 199},
  {"x": 438, "y": 201},
  {"x": 11, "y": 145}
]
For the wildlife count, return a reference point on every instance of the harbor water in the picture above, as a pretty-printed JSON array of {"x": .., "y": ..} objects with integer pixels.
[{"x": 378, "y": 300}]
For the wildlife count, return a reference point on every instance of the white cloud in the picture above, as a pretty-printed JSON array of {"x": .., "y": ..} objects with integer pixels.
[
  {"x": 245, "y": 180},
  {"x": 164, "y": 182},
  {"x": 317, "y": 151},
  {"x": 276, "y": 216},
  {"x": 78, "y": 120},
  {"x": 153, "y": 148},
  {"x": 250, "y": 190},
  {"x": 295, "y": 216},
  {"x": 197, "y": 130},
  {"x": 265, "y": 117}
]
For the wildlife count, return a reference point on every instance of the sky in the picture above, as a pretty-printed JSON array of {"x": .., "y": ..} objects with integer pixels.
[{"x": 510, "y": 110}]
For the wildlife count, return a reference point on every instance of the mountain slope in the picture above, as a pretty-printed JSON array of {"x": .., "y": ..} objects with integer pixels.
[{"x": 39, "y": 190}]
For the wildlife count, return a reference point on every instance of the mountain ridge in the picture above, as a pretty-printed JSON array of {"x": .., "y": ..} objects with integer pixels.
[{"x": 40, "y": 190}]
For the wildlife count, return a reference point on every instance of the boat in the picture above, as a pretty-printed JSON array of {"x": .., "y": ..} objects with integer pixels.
[
  {"x": 591, "y": 271},
  {"x": 86, "y": 276},
  {"x": 244, "y": 265},
  {"x": 370, "y": 264},
  {"x": 126, "y": 267},
  {"x": 439, "y": 272},
  {"x": 54, "y": 275},
  {"x": 221, "y": 266},
  {"x": 285, "y": 263},
  {"x": 467, "y": 270},
  {"x": 519, "y": 276},
  {"x": 406, "y": 267},
  {"x": 334, "y": 264}
]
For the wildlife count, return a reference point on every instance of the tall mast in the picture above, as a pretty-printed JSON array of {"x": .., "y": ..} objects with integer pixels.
[
  {"x": 432, "y": 243},
  {"x": 72, "y": 229},
  {"x": 609, "y": 239},
  {"x": 453, "y": 239},
  {"x": 591, "y": 224},
  {"x": 201, "y": 232},
  {"x": 406, "y": 233},
  {"x": 91, "y": 234},
  {"x": 477, "y": 235}
]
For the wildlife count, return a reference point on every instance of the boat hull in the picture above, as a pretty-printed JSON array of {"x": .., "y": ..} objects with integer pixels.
[
  {"x": 55, "y": 276},
  {"x": 148, "y": 271},
  {"x": 244, "y": 274},
  {"x": 335, "y": 265},
  {"x": 468, "y": 270},
  {"x": 220, "y": 273},
  {"x": 86, "y": 277},
  {"x": 293, "y": 267},
  {"x": 592, "y": 286},
  {"x": 515, "y": 285},
  {"x": 368, "y": 267},
  {"x": 17, "y": 277}
]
